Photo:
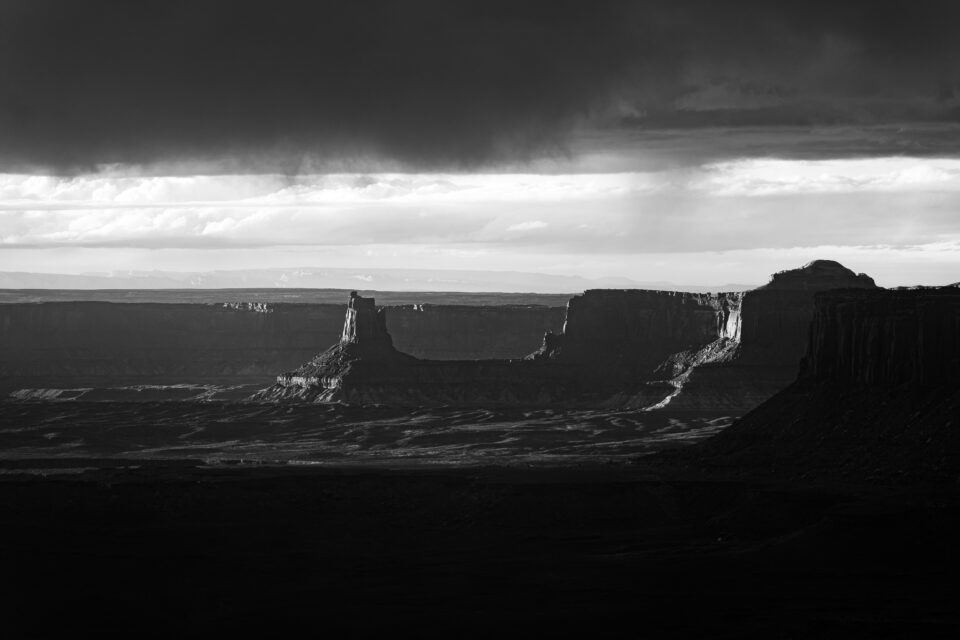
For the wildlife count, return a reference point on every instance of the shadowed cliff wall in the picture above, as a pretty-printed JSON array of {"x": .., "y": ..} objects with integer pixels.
[
  {"x": 899, "y": 337},
  {"x": 775, "y": 326},
  {"x": 460, "y": 332},
  {"x": 878, "y": 395},
  {"x": 631, "y": 332},
  {"x": 96, "y": 343},
  {"x": 611, "y": 344}
]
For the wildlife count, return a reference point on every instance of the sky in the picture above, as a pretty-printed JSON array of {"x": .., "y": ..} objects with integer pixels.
[{"x": 684, "y": 140}]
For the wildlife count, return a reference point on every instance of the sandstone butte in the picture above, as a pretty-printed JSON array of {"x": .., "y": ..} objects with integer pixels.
[{"x": 723, "y": 352}]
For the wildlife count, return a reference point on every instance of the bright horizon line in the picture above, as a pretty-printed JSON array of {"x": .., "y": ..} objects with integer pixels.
[{"x": 422, "y": 276}]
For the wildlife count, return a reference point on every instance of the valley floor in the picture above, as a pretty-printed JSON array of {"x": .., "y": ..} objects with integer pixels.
[{"x": 270, "y": 433}]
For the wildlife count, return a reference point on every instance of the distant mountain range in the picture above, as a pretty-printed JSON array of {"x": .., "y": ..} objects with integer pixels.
[{"x": 368, "y": 279}]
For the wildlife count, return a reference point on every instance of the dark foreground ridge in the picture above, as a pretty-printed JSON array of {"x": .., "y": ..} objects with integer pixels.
[
  {"x": 176, "y": 551},
  {"x": 637, "y": 349},
  {"x": 878, "y": 395}
]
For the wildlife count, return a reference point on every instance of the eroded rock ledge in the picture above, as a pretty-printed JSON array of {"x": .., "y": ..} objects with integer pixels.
[
  {"x": 365, "y": 368},
  {"x": 775, "y": 320}
]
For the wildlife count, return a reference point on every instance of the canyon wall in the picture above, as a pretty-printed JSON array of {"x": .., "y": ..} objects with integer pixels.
[
  {"x": 877, "y": 397},
  {"x": 774, "y": 331},
  {"x": 461, "y": 332},
  {"x": 883, "y": 338},
  {"x": 364, "y": 367},
  {"x": 99, "y": 343},
  {"x": 631, "y": 332},
  {"x": 82, "y": 343},
  {"x": 609, "y": 353},
  {"x": 777, "y": 315},
  {"x": 719, "y": 353}
]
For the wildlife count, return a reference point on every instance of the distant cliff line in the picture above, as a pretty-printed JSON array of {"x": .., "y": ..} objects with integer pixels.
[{"x": 81, "y": 344}]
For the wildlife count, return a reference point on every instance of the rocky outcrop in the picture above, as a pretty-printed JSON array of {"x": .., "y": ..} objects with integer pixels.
[
  {"x": 365, "y": 331},
  {"x": 611, "y": 354},
  {"x": 777, "y": 315},
  {"x": 631, "y": 332},
  {"x": 819, "y": 275},
  {"x": 774, "y": 330},
  {"x": 365, "y": 368},
  {"x": 364, "y": 354},
  {"x": 878, "y": 393},
  {"x": 718, "y": 353},
  {"x": 724, "y": 352}
]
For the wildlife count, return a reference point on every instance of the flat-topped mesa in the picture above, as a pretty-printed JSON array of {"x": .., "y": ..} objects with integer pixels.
[
  {"x": 630, "y": 348},
  {"x": 632, "y": 331},
  {"x": 365, "y": 368},
  {"x": 774, "y": 329}
]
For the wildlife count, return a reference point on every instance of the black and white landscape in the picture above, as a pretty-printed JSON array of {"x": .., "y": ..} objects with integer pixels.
[{"x": 474, "y": 318}]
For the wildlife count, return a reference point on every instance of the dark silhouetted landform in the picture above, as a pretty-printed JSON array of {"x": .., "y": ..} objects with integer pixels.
[
  {"x": 737, "y": 375},
  {"x": 878, "y": 394},
  {"x": 99, "y": 344},
  {"x": 365, "y": 368}
]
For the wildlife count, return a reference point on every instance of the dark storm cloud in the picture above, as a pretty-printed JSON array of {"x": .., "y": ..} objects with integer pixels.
[{"x": 444, "y": 83}]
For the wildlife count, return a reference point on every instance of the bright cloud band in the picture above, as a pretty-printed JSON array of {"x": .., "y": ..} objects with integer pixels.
[{"x": 739, "y": 204}]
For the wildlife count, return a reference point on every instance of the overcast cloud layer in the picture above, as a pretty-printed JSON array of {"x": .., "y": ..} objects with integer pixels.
[
  {"x": 722, "y": 206},
  {"x": 444, "y": 84},
  {"x": 688, "y": 140}
]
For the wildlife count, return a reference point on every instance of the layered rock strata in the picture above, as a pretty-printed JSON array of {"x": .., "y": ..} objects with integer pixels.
[
  {"x": 719, "y": 353},
  {"x": 739, "y": 374},
  {"x": 365, "y": 368},
  {"x": 96, "y": 344},
  {"x": 609, "y": 355},
  {"x": 884, "y": 338},
  {"x": 632, "y": 332},
  {"x": 878, "y": 393},
  {"x": 90, "y": 344}
]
